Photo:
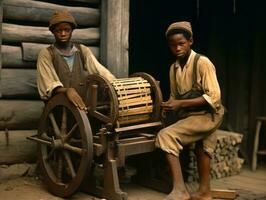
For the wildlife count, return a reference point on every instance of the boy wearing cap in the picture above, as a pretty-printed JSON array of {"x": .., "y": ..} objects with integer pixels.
[
  {"x": 196, "y": 98},
  {"x": 63, "y": 67}
]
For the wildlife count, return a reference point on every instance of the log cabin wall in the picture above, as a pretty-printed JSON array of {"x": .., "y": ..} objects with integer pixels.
[{"x": 24, "y": 32}]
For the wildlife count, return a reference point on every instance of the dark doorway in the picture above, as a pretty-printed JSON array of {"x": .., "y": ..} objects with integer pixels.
[
  {"x": 230, "y": 32},
  {"x": 148, "y": 48}
]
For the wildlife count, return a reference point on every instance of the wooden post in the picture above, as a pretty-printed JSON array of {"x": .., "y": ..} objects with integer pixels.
[
  {"x": 1, "y": 19},
  {"x": 114, "y": 36}
]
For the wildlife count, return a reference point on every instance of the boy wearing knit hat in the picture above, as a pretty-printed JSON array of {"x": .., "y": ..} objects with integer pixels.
[
  {"x": 63, "y": 67},
  {"x": 196, "y": 99}
]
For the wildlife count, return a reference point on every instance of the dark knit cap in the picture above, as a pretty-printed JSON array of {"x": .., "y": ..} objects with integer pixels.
[{"x": 60, "y": 17}]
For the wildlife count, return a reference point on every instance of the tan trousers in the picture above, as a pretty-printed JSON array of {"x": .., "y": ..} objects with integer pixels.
[{"x": 189, "y": 130}]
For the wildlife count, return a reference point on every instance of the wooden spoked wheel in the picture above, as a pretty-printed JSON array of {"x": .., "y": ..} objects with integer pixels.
[
  {"x": 65, "y": 146},
  {"x": 102, "y": 99}
]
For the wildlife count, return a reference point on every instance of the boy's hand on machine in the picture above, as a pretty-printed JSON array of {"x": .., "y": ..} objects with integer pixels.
[
  {"x": 172, "y": 105},
  {"x": 74, "y": 98}
]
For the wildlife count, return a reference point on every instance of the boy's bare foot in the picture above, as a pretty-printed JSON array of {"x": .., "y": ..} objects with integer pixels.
[
  {"x": 201, "y": 196},
  {"x": 178, "y": 195}
]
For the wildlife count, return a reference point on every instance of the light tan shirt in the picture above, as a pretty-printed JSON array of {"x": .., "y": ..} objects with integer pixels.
[
  {"x": 206, "y": 79},
  {"x": 47, "y": 79}
]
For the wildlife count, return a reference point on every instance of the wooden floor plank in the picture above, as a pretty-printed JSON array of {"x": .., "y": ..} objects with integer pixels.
[{"x": 249, "y": 185}]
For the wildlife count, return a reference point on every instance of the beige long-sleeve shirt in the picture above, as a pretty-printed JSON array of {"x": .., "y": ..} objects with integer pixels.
[
  {"x": 47, "y": 79},
  {"x": 181, "y": 82}
]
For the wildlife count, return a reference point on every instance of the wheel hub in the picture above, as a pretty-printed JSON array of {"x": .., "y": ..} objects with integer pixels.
[{"x": 57, "y": 144}]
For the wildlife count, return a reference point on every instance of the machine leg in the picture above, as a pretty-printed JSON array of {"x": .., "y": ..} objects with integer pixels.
[{"x": 111, "y": 190}]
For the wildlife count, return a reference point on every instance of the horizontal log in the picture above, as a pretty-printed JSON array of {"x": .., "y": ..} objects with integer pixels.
[
  {"x": 27, "y": 10},
  {"x": 87, "y": 1},
  {"x": 20, "y": 114},
  {"x": 15, "y": 148},
  {"x": 31, "y": 51},
  {"x": 12, "y": 58},
  {"x": 19, "y": 84},
  {"x": 17, "y": 33},
  {"x": 26, "y": 57}
]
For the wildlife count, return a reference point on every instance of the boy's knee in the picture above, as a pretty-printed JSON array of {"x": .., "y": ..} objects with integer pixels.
[{"x": 204, "y": 147}]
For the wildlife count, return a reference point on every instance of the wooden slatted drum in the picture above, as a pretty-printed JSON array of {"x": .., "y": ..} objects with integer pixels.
[
  {"x": 130, "y": 100},
  {"x": 134, "y": 99}
]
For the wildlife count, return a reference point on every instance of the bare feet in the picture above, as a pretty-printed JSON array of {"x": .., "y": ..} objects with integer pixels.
[
  {"x": 201, "y": 196},
  {"x": 178, "y": 195}
]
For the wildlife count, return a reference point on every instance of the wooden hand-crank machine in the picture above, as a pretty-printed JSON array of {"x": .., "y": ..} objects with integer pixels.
[{"x": 123, "y": 119}]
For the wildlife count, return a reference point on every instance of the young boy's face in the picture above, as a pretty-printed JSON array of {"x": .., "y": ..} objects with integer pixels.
[
  {"x": 62, "y": 32},
  {"x": 179, "y": 45}
]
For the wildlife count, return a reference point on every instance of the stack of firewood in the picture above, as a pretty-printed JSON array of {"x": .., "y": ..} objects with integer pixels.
[{"x": 225, "y": 161}]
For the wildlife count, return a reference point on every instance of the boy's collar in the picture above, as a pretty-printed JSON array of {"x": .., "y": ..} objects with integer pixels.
[{"x": 192, "y": 54}]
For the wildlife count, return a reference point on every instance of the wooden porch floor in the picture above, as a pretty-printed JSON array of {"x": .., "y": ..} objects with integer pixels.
[{"x": 249, "y": 185}]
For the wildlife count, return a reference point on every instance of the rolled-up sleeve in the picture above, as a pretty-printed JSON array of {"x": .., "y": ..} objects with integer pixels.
[
  {"x": 93, "y": 66},
  {"x": 47, "y": 79},
  {"x": 210, "y": 85}
]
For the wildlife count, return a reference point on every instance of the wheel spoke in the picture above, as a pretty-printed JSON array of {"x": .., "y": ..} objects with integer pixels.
[
  {"x": 40, "y": 140},
  {"x": 71, "y": 132},
  {"x": 64, "y": 121},
  {"x": 46, "y": 137},
  {"x": 70, "y": 164},
  {"x": 54, "y": 124},
  {"x": 74, "y": 149},
  {"x": 75, "y": 141},
  {"x": 59, "y": 167},
  {"x": 51, "y": 153},
  {"x": 101, "y": 116}
]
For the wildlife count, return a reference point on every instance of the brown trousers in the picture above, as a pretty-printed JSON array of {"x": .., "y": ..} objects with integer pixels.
[{"x": 191, "y": 129}]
